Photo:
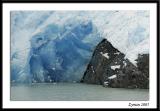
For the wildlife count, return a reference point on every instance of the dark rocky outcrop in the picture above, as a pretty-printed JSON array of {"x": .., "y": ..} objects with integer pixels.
[{"x": 110, "y": 68}]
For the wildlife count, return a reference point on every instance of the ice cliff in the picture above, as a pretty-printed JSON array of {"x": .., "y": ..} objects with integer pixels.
[{"x": 52, "y": 46}]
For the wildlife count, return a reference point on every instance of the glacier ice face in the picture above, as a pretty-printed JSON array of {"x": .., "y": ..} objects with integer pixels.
[
  {"x": 60, "y": 41},
  {"x": 57, "y": 52}
]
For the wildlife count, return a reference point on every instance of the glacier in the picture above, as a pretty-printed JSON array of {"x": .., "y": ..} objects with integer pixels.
[{"x": 56, "y": 46}]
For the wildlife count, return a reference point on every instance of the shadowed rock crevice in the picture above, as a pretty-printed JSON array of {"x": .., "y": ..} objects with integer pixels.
[{"x": 109, "y": 67}]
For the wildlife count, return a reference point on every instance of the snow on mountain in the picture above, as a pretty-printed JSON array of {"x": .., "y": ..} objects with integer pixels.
[
  {"x": 115, "y": 67},
  {"x": 128, "y": 31}
]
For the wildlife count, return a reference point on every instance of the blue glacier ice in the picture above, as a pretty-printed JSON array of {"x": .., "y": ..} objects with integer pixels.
[
  {"x": 55, "y": 59},
  {"x": 56, "y": 46},
  {"x": 60, "y": 54}
]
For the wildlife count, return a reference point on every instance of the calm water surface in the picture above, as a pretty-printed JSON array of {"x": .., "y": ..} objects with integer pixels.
[{"x": 75, "y": 92}]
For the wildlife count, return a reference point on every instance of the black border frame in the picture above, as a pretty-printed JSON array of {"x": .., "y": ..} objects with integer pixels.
[{"x": 85, "y": 1}]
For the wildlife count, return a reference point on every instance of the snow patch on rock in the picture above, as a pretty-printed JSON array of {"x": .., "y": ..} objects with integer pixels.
[
  {"x": 125, "y": 64},
  {"x": 105, "y": 55},
  {"x": 115, "y": 67},
  {"x": 112, "y": 77}
]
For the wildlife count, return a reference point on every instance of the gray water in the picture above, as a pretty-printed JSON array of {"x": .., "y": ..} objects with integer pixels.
[{"x": 75, "y": 92}]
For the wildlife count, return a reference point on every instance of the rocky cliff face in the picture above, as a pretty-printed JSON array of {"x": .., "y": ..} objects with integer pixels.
[{"x": 110, "y": 68}]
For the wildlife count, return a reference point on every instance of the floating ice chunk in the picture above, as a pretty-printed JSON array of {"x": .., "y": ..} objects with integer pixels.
[
  {"x": 115, "y": 67},
  {"x": 112, "y": 77}
]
